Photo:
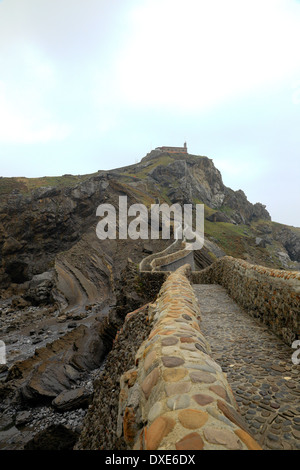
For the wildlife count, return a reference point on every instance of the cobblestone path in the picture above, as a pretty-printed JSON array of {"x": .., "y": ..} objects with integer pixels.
[{"x": 259, "y": 369}]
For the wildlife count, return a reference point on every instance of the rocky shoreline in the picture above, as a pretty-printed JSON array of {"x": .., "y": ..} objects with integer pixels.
[
  {"x": 55, "y": 360},
  {"x": 26, "y": 416},
  {"x": 100, "y": 424},
  {"x": 48, "y": 427},
  {"x": 26, "y": 427}
]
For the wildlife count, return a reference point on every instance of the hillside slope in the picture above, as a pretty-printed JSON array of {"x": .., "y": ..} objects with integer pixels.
[
  {"x": 48, "y": 224},
  {"x": 64, "y": 293}
]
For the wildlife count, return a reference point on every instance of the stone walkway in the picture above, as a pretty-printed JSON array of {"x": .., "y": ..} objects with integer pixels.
[
  {"x": 259, "y": 368},
  {"x": 177, "y": 397}
]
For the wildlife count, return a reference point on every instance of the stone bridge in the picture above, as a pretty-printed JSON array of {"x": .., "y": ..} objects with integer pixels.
[
  {"x": 216, "y": 371},
  {"x": 208, "y": 365}
]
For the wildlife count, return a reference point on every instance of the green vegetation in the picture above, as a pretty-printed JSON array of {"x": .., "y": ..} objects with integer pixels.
[
  {"x": 141, "y": 196},
  {"x": 277, "y": 225},
  {"x": 295, "y": 229},
  {"x": 228, "y": 236},
  {"x": 7, "y": 185},
  {"x": 226, "y": 210},
  {"x": 25, "y": 185},
  {"x": 143, "y": 172},
  {"x": 272, "y": 250}
]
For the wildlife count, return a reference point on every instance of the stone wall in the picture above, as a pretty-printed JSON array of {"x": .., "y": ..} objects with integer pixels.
[
  {"x": 271, "y": 295},
  {"x": 176, "y": 397},
  {"x": 100, "y": 426},
  {"x": 170, "y": 259},
  {"x": 174, "y": 261},
  {"x": 145, "y": 264},
  {"x": 151, "y": 282}
]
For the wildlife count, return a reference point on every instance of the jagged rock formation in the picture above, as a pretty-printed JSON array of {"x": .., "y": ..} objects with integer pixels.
[
  {"x": 64, "y": 293},
  {"x": 290, "y": 240},
  {"x": 231, "y": 220},
  {"x": 50, "y": 251},
  {"x": 198, "y": 178},
  {"x": 48, "y": 228}
]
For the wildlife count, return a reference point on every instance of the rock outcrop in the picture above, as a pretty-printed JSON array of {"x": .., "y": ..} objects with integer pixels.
[
  {"x": 46, "y": 230},
  {"x": 290, "y": 240},
  {"x": 64, "y": 294},
  {"x": 196, "y": 178},
  {"x": 170, "y": 395}
]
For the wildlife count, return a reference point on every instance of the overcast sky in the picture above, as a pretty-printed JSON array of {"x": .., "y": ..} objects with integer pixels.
[{"x": 96, "y": 84}]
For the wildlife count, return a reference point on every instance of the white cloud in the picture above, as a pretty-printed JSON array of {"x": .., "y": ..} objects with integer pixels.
[
  {"x": 25, "y": 121},
  {"x": 29, "y": 83},
  {"x": 296, "y": 92},
  {"x": 194, "y": 54},
  {"x": 118, "y": 75}
]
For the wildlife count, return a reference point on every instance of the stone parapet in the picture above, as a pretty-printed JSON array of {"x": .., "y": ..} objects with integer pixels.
[
  {"x": 145, "y": 264},
  {"x": 272, "y": 295},
  {"x": 173, "y": 261},
  {"x": 177, "y": 397}
]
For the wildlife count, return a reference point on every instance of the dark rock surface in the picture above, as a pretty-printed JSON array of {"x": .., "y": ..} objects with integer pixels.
[
  {"x": 100, "y": 424},
  {"x": 64, "y": 293},
  {"x": 58, "y": 366},
  {"x": 55, "y": 437},
  {"x": 53, "y": 383},
  {"x": 72, "y": 399},
  {"x": 50, "y": 253},
  {"x": 219, "y": 217},
  {"x": 290, "y": 240}
]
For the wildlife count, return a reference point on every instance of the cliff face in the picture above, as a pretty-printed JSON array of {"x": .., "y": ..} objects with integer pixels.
[
  {"x": 59, "y": 282},
  {"x": 237, "y": 226},
  {"x": 196, "y": 178},
  {"x": 36, "y": 226},
  {"x": 52, "y": 229}
]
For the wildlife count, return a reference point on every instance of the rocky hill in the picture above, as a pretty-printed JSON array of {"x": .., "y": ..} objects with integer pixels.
[
  {"x": 59, "y": 284},
  {"x": 238, "y": 227},
  {"x": 47, "y": 224}
]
